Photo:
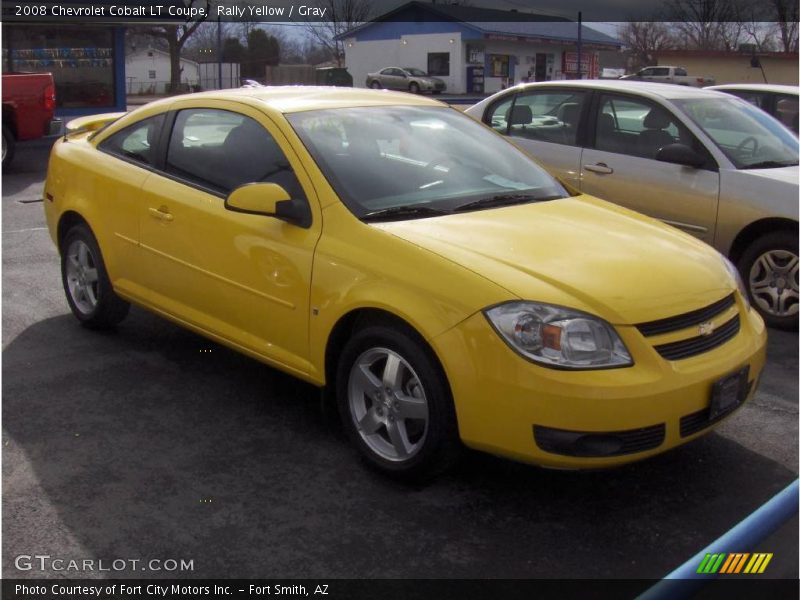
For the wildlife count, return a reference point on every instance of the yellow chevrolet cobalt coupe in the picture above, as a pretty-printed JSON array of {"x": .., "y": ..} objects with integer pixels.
[{"x": 434, "y": 279}]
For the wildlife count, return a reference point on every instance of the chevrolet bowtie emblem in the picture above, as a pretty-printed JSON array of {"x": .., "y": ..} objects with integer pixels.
[{"x": 706, "y": 328}]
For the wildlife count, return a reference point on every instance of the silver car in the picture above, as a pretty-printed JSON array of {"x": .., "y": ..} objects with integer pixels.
[
  {"x": 406, "y": 79},
  {"x": 781, "y": 101},
  {"x": 703, "y": 161}
]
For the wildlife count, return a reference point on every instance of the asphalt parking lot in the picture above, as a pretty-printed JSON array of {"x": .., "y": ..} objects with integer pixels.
[{"x": 152, "y": 443}]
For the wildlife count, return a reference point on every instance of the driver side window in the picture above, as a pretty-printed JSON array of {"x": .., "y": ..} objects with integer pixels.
[{"x": 221, "y": 150}]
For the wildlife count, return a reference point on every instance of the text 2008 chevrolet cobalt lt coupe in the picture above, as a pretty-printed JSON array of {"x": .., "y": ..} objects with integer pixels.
[{"x": 435, "y": 279}]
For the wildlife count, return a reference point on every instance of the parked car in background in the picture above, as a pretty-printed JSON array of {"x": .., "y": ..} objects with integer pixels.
[
  {"x": 29, "y": 102},
  {"x": 440, "y": 284},
  {"x": 406, "y": 79},
  {"x": 703, "y": 161},
  {"x": 676, "y": 75},
  {"x": 781, "y": 101}
]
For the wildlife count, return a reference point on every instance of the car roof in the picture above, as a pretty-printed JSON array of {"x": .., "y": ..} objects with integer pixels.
[
  {"x": 759, "y": 87},
  {"x": 645, "y": 88},
  {"x": 298, "y": 98}
]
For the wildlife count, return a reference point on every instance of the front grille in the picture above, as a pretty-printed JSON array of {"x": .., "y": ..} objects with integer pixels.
[
  {"x": 598, "y": 443},
  {"x": 685, "y": 320},
  {"x": 699, "y": 420},
  {"x": 702, "y": 343}
]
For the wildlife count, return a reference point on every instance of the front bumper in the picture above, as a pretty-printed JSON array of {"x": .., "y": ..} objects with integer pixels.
[{"x": 614, "y": 416}]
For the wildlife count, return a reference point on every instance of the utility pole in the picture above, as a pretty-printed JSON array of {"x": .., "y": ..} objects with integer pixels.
[
  {"x": 219, "y": 52},
  {"x": 580, "y": 44}
]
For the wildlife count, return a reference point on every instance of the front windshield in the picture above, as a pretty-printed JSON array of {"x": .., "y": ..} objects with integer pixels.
[
  {"x": 416, "y": 72},
  {"x": 749, "y": 137},
  {"x": 418, "y": 158}
]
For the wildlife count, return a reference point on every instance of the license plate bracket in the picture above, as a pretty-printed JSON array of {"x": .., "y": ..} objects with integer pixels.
[{"x": 728, "y": 393}]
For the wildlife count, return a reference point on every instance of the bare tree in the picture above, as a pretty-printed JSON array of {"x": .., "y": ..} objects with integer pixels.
[
  {"x": 175, "y": 36},
  {"x": 760, "y": 35},
  {"x": 707, "y": 24},
  {"x": 786, "y": 17},
  {"x": 202, "y": 46},
  {"x": 644, "y": 40},
  {"x": 341, "y": 15}
]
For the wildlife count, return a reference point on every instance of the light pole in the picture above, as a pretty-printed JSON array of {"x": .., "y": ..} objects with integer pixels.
[
  {"x": 580, "y": 43},
  {"x": 219, "y": 52}
]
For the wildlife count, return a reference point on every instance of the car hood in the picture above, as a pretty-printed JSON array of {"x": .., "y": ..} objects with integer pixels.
[
  {"x": 787, "y": 175},
  {"x": 579, "y": 252}
]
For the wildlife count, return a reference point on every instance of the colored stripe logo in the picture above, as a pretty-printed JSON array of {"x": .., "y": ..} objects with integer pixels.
[{"x": 734, "y": 563}]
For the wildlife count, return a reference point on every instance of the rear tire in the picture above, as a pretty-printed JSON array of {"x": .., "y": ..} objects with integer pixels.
[
  {"x": 375, "y": 85},
  {"x": 769, "y": 269},
  {"x": 86, "y": 284},
  {"x": 413, "y": 88},
  {"x": 395, "y": 403},
  {"x": 9, "y": 142}
]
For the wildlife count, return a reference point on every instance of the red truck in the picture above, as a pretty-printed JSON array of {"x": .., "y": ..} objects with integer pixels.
[{"x": 29, "y": 100}]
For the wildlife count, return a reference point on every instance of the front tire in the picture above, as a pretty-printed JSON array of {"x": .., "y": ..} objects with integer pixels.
[
  {"x": 9, "y": 142},
  {"x": 395, "y": 403},
  {"x": 86, "y": 284},
  {"x": 769, "y": 268}
]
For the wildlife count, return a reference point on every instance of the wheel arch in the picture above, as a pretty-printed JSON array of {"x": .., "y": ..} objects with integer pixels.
[
  {"x": 66, "y": 222},
  {"x": 358, "y": 318},
  {"x": 10, "y": 118},
  {"x": 755, "y": 230}
]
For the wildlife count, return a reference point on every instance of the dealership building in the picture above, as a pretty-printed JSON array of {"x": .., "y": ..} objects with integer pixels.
[
  {"x": 85, "y": 54},
  {"x": 474, "y": 50},
  {"x": 87, "y": 62}
]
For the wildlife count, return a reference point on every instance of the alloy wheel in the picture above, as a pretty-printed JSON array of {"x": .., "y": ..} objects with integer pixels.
[
  {"x": 388, "y": 404},
  {"x": 81, "y": 275}
]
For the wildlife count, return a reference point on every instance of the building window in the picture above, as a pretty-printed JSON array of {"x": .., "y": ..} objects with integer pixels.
[
  {"x": 439, "y": 63},
  {"x": 151, "y": 74},
  {"x": 81, "y": 60},
  {"x": 499, "y": 65}
]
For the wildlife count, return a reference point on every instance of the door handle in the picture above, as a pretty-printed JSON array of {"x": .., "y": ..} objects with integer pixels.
[
  {"x": 601, "y": 168},
  {"x": 161, "y": 213}
]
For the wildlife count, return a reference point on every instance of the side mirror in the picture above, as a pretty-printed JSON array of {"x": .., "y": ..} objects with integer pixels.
[
  {"x": 269, "y": 200},
  {"x": 680, "y": 154}
]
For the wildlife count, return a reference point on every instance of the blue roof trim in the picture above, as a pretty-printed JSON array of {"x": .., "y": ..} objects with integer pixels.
[
  {"x": 416, "y": 18},
  {"x": 394, "y": 30}
]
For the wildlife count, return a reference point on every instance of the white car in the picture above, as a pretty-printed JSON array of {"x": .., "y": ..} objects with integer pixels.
[
  {"x": 781, "y": 101},
  {"x": 703, "y": 161}
]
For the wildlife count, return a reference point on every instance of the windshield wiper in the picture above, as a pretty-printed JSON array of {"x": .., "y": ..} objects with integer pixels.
[
  {"x": 503, "y": 200},
  {"x": 397, "y": 213},
  {"x": 771, "y": 164}
]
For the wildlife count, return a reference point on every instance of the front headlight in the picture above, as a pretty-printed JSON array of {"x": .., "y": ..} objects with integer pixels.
[
  {"x": 734, "y": 272},
  {"x": 558, "y": 337}
]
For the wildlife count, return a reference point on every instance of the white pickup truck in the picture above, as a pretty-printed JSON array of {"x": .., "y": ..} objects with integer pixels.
[{"x": 677, "y": 75}]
